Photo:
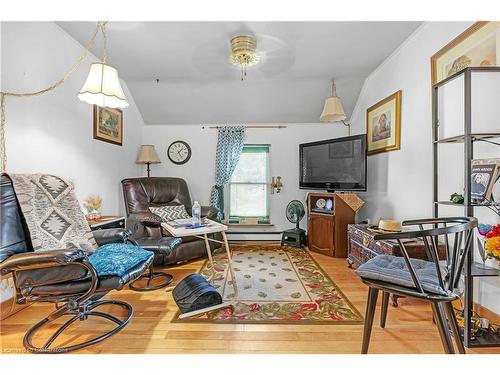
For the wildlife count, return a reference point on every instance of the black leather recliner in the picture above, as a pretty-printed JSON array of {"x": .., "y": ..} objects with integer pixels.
[
  {"x": 144, "y": 192},
  {"x": 62, "y": 276}
]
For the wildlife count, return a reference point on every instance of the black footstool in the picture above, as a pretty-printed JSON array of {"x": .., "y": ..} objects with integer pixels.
[{"x": 161, "y": 247}]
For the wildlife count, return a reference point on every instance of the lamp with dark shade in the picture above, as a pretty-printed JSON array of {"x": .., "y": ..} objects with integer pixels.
[{"x": 147, "y": 155}]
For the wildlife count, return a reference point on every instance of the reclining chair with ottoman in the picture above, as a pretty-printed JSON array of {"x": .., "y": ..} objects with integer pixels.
[
  {"x": 68, "y": 274},
  {"x": 142, "y": 193}
]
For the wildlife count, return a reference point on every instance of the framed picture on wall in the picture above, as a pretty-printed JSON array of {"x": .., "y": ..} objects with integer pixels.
[
  {"x": 477, "y": 46},
  {"x": 108, "y": 125},
  {"x": 383, "y": 125}
]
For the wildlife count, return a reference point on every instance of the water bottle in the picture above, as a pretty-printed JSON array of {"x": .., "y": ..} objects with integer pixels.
[{"x": 196, "y": 213}]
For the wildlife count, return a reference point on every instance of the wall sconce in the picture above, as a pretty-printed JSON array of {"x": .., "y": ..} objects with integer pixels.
[{"x": 276, "y": 184}]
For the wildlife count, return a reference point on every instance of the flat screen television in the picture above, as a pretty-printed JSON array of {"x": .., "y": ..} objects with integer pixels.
[{"x": 334, "y": 164}]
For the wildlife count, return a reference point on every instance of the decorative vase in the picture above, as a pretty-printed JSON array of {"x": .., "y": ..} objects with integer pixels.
[
  {"x": 482, "y": 253},
  {"x": 94, "y": 215},
  {"x": 492, "y": 263}
]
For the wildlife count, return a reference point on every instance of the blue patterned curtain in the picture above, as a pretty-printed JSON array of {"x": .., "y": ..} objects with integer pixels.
[{"x": 229, "y": 147}]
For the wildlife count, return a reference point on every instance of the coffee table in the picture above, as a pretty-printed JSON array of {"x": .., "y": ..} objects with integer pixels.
[{"x": 203, "y": 232}]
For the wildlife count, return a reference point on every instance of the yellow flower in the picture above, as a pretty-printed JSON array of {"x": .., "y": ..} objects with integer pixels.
[{"x": 492, "y": 247}]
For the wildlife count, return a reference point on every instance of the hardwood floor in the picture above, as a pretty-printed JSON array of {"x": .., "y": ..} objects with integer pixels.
[{"x": 409, "y": 327}]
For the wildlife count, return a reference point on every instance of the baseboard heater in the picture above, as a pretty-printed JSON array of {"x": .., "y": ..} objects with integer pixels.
[{"x": 253, "y": 236}]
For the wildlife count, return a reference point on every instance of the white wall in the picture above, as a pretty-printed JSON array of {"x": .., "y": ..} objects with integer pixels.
[
  {"x": 52, "y": 133},
  {"x": 400, "y": 182},
  {"x": 199, "y": 170}
]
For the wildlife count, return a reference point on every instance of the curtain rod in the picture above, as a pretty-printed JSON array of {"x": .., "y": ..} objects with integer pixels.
[{"x": 249, "y": 127}]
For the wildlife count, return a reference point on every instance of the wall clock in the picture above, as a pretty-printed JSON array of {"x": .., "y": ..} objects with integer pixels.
[{"x": 179, "y": 152}]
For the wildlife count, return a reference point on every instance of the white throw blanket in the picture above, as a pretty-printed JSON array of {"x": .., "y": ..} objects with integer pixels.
[{"x": 52, "y": 212}]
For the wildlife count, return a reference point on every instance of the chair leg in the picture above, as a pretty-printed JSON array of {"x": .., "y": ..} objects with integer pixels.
[
  {"x": 442, "y": 324},
  {"x": 385, "y": 305},
  {"x": 370, "y": 314},
  {"x": 79, "y": 314},
  {"x": 151, "y": 277},
  {"x": 452, "y": 319}
]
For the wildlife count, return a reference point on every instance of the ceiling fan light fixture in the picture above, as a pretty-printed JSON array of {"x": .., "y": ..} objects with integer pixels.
[{"x": 244, "y": 53}]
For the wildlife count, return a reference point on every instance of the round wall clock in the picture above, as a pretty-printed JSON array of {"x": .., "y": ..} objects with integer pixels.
[{"x": 179, "y": 152}]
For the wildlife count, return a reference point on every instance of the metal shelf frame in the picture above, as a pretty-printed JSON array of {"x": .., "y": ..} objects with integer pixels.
[{"x": 468, "y": 139}]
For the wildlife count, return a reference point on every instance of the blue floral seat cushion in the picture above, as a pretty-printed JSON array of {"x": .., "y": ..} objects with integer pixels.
[
  {"x": 117, "y": 259},
  {"x": 392, "y": 269}
]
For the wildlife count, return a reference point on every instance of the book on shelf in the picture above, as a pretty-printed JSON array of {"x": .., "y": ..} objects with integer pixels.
[{"x": 484, "y": 174}]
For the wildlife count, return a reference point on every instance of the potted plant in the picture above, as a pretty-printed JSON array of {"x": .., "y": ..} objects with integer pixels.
[{"x": 93, "y": 204}]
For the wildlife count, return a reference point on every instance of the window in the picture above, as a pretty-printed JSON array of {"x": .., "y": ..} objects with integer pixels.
[{"x": 248, "y": 190}]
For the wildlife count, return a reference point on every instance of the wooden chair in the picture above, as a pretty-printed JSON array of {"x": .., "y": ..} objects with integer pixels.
[{"x": 433, "y": 281}]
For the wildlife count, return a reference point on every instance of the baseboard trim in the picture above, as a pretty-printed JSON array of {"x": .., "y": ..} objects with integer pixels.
[
  {"x": 254, "y": 236},
  {"x": 259, "y": 233},
  {"x": 249, "y": 242}
]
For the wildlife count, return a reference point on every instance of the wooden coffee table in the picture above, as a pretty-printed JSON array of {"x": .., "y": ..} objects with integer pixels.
[{"x": 203, "y": 232}]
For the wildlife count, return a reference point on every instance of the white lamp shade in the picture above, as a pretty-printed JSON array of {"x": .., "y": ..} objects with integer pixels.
[
  {"x": 103, "y": 88},
  {"x": 333, "y": 110},
  {"x": 147, "y": 154}
]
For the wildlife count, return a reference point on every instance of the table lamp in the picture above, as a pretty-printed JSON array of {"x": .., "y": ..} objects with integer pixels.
[{"x": 147, "y": 155}]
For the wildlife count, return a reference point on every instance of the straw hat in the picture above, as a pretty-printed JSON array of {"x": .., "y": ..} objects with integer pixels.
[
  {"x": 389, "y": 225},
  {"x": 386, "y": 225}
]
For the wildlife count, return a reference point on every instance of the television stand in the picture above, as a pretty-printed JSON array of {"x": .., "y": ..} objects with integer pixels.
[{"x": 327, "y": 227}]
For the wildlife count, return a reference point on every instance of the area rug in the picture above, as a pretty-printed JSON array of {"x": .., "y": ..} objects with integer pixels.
[{"x": 276, "y": 284}]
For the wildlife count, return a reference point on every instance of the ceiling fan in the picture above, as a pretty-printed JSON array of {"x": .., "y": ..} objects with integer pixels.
[{"x": 264, "y": 54}]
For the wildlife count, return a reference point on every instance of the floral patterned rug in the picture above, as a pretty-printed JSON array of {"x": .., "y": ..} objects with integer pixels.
[{"x": 276, "y": 284}]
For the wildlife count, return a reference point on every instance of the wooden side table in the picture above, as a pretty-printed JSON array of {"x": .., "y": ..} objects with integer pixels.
[{"x": 107, "y": 222}]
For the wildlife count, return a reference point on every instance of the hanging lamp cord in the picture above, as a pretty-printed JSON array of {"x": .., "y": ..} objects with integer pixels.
[{"x": 3, "y": 154}]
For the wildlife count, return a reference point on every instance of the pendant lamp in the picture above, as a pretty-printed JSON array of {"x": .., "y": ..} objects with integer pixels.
[{"x": 102, "y": 86}]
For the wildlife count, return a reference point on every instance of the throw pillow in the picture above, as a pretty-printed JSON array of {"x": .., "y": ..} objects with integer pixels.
[{"x": 168, "y": 213}]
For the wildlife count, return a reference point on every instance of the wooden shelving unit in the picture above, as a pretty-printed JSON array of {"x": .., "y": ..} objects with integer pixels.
[{"x": 470, "y": 140}]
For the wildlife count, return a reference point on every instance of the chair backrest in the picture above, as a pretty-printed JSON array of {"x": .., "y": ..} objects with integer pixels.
[
  {"x": 14, "y": 234},
  {"x": 142, "y": 193},
  {"x": 456, "y": 233}
]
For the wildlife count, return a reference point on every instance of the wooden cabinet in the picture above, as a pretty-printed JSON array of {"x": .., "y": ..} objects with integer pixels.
[
  {"x": 327, "y": 226},
  {"x": 320, "y": 233}
]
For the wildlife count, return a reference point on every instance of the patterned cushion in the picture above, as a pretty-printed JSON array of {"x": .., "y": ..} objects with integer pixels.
[
  {"x": 392, "y": 269},
  {"x": 117, "y": 259},
  {"x": 53, "y": 214},
  {"x": 168, "y": 213}
]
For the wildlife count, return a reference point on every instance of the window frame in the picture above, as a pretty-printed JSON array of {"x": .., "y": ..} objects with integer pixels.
[{"x": 251, "y": 220}]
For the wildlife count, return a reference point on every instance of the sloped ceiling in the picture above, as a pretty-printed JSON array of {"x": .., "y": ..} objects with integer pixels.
[{"x": 197, "y": 85}]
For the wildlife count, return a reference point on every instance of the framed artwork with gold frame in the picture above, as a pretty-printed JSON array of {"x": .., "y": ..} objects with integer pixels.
[
  {"x": 383, "y": 125},
  {"x": 108, "y": 125},
  {"x": 477, "y": 46}
]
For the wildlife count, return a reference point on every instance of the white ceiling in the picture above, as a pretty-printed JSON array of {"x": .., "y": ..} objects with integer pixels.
[{"x": 198, "y": 85}]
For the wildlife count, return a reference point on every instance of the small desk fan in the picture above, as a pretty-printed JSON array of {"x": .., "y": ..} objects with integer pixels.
[{"x": 295, "y": 211}]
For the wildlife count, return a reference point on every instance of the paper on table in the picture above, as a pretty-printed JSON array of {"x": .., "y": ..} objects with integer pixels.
[{"x": 180, "y": 222}]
